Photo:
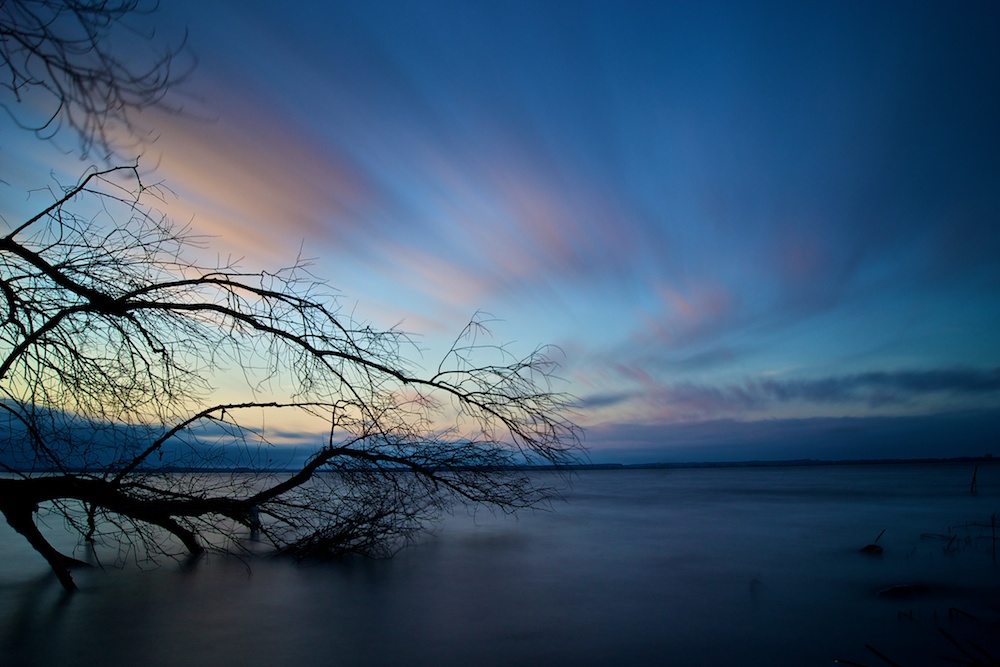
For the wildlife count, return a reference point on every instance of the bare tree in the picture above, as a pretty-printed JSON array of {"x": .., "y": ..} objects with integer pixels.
[
  {"x": 60, "y": 66},
  {"x": 143, "y": 395},
  {"x": 119, "y": 362}
]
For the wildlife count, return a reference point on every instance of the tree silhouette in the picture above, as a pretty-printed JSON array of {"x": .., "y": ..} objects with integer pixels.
[
  {"x": 157, "y": 404},
  {"x": 59, "y": 66},
  {"x": 114, "y": 346}
]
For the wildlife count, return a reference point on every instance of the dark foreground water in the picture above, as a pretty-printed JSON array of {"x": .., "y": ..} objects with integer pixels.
[{"x": 752, "y": 566}]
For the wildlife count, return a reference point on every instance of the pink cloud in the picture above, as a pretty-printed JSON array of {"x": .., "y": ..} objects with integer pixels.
[
  {"x": 509, "y": 209},
  {"x": 685, "y": 314},
  {"x": 261, "y": 187},
  {"x": 799, "y": 254}
]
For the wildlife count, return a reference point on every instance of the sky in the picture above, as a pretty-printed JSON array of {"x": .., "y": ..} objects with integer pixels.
[{"x": 763, "y": 230}]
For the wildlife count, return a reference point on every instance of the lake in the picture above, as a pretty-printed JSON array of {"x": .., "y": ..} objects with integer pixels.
[{"x": 718, "y": 566}]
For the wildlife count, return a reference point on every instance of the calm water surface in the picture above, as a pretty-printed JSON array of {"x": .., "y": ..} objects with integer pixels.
[{"x": 749, "y": 566}]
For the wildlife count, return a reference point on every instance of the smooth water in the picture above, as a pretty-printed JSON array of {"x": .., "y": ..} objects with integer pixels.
[{"x": 747, "y": 566}]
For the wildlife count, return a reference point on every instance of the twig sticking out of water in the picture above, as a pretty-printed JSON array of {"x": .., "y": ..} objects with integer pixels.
[
  {"x": 969, "y": 659},
  {"x": 974, "y": 661},
  {"x": 955, "y": 612},
  {"x": 972, "y": 488},
  {"x": 880, "y": 655},
  {"x": 874, "y": 548},
  {"x": 993, "y": 536}
]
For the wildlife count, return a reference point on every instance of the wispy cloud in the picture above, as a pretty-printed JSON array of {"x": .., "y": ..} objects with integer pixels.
[
  {"x": 262, "y": 188},
  {"x": 941, "y": 435},
  {"x": 724, "y": 212},
  {"x": 884, "y": 387},
  {"x": 754, "y": 398}
]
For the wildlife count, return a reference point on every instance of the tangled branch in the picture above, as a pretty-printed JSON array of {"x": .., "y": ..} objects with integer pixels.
[{"x": 111, "y": 353}]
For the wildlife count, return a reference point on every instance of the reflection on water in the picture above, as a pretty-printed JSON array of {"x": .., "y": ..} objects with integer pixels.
[{"x": 687, "y": 567}]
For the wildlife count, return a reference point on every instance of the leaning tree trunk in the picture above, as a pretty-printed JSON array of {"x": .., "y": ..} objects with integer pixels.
[{"x": 21, "y": 519}]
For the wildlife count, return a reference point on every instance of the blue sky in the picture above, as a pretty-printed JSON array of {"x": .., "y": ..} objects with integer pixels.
[{"x": 756, "y": 230}]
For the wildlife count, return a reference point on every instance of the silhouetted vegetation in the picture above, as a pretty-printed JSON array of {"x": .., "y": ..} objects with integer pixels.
[
  {"x": 123, "y": 360},
  {"x": 62, "y": 64}
]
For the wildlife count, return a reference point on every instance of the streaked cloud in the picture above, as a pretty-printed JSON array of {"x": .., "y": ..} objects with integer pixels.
[
  {"x": 719, "y": 210},
  {"x": 941, "y": 435},
  {"x": 754, "y": 398}
]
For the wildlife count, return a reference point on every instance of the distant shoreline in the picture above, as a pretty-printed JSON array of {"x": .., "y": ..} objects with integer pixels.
[{"x": 787, "y": 463}]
